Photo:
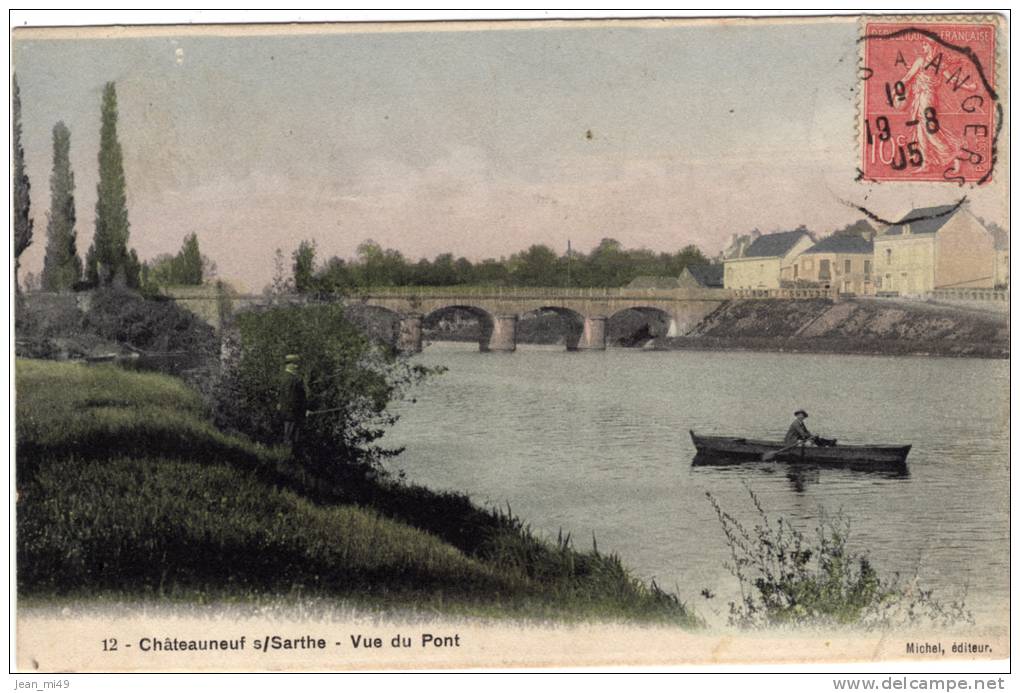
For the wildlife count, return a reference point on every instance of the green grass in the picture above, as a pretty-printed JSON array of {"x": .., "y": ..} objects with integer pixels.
[{"x": 126, "y": 490}]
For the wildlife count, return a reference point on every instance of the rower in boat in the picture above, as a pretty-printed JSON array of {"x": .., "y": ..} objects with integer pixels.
[{"x": 798, "y": 430}]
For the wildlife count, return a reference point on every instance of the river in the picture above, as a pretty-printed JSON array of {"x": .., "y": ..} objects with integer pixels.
[{"x": 597, "y": 443}]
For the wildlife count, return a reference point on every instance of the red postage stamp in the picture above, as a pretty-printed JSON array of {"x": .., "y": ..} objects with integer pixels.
[{"x": 930, "y": 110}]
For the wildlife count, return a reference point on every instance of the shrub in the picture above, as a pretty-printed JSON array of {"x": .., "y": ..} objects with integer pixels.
[
  {"x": 150, "y": 324},
  {"x": 350, "y": 381},
  {"x": 785, "y": 579}
]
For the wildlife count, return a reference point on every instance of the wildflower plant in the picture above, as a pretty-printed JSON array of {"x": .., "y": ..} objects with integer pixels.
[{"x": 786, "y": 578}]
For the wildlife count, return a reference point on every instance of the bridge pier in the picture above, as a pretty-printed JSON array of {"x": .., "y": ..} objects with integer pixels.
[
  {"x": 504, "y": 334},
  {"x": 409, "y": 334},
  {"x": 593, "y": 335},
  {"x": 673, "y": 330}
]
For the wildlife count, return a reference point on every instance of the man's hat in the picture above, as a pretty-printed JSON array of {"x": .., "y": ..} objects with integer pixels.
[
  {"x": 291, "y": 358},
  {"x": 800, "y": 411}
]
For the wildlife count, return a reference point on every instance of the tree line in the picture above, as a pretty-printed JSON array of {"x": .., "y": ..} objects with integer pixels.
[
  {"x": 609, "y": 264},
  {"x": 109, "y": 259}
]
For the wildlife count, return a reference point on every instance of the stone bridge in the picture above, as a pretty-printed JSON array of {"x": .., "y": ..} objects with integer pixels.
[{"x": 499, "y": 308}]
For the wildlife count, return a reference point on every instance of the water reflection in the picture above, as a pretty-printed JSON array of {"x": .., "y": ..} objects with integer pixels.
[{"x": 805, "y": 472}]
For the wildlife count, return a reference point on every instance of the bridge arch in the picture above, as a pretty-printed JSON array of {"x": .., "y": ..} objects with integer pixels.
[
  {"x": 549, "y": 324},
  {"x": 635, "y": 326},
  {"x": 378, "y": 323},
  {"x": 446, "y": 318}
]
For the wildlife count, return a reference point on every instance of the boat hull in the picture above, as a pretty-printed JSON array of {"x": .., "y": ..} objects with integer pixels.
[{"x": 726, "y": 449}]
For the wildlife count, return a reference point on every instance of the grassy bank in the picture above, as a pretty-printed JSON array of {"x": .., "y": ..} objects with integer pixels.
[{"x": 126, "y": 490}]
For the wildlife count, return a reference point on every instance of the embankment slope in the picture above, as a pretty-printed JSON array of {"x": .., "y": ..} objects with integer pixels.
[
  {"x": 867, "y": 326},
  {"x": 126, "y": 490}
]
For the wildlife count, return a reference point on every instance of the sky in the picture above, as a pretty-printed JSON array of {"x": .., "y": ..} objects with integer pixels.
[{"x": 478, "y": 141}]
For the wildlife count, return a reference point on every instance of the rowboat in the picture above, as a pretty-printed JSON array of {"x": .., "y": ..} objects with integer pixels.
[{"x": 726, "y": 449}]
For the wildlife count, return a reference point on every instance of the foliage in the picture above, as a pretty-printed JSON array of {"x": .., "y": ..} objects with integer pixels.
[
  {"x": 189, "y": 261},
  {"x": 861, "y": 227},
  {"x": 148, "y": 324},
  {"x": 187, "y": 268},
  {"x": 608, "y": 265},
  {"x": 304, "y": 267},
  {"x": 282, "y": 284},
  {"x": 22, "y": 186},
  {"x": 109, "y": 260},
  {"x": 62, "y": 266},
  {"x": 350, "y": 381},
  {"x": 334, "y": 278},
  {"x": 785, "y": 579}
]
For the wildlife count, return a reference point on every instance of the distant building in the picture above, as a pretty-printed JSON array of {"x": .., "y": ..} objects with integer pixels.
[
  {"x": 702, "y": 277},
  {"x": 843, "y": 261},
  {"x": 767, "y": 261},
  {"x": 935, "y": 248}
]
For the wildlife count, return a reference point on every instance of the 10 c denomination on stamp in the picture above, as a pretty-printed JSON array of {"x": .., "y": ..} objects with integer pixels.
[{"x": 929, "y": 111}]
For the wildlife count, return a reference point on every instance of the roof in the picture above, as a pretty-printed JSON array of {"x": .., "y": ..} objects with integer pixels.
[
  {"x": 923, "y": 220},
  {"x": 707, "y": 275},
  {"x": 652, "y": 282},
  {"x": 840, "y": 243},
  {"x": 775, "y": 244}
]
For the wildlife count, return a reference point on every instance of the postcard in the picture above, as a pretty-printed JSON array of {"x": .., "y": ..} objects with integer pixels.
[{"x": 511, "y": 344}]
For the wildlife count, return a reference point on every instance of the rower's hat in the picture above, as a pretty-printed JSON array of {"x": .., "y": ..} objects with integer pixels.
[
  {"x": 292, "y": 358},
  {"x": 800, "y": 411}
]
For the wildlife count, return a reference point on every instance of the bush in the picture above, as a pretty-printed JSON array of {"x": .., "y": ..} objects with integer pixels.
[
  {"x": 350, "y": 381},
  {"x": 150, "y": 324},
  {"x": 787, "y": 580}
]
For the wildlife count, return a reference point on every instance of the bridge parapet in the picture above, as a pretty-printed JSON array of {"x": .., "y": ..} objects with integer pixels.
[{"x": 537, "y": 292}]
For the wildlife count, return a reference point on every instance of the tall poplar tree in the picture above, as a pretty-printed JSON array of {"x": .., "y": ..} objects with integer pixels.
[
  {"x": 22, "y": 187},
  {"x": 62, "y": 266},
  {"x": 109, "y": 260}
]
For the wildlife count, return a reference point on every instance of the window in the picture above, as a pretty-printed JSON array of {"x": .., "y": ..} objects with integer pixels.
[
  {"x": 795, "y": 271},
  {"x": 888, "y": 256},
  {"x": 867, "y": 268},
  {"x": 823, "y": 269},
  {"x": 846, "y": 267}
]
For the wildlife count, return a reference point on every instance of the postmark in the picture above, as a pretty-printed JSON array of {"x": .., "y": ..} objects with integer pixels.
[{"x": 929, "y": 110}]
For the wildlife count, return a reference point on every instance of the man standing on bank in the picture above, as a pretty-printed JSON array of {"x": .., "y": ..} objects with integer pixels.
[
  {"x": 293, "y": 400},
  {"x": 798, "y": 431}
]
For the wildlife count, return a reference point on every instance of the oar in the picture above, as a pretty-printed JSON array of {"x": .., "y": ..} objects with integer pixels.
[
  {"x": 324, "y": 411},
  {"x": 769, "y": 456}
]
